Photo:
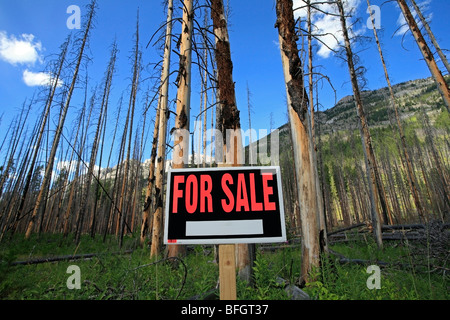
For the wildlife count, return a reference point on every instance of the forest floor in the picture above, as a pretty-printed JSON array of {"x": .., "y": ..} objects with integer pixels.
[{"x": 406, "y": 273}]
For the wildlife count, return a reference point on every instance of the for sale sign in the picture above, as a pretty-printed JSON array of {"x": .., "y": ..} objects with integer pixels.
[{"x": 224, "y": 205}]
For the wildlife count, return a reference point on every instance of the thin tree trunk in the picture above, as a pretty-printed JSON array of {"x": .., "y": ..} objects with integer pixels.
[
  {"x": 161, "y": 158},
  {"x": 411, "y": 177},
  {"x": 365, "y": 134},
  {"x": 249, "y": 107},
  {"x": 132, "y": 103},
  {"x": 111, "y": 205},
  {"x": 74, "y": 182},
  {"x": 431, "y": 35},
  {"x": 146, "y": 218}
]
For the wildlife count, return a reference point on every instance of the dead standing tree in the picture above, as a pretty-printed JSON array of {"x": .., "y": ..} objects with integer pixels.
[
  {"x": 228, "y": 118},
  {"x": 161, "y": 155},
  {"x": 431, "y": 35},
  {"x": 300, "y": 123},
  {"x": 369, "y": 155},
  {"x": 321, "y": 218},
  {"x": 49, "y": 169},
  {"x": 181, "y": 143},
  {"x": 46, "y": 112},
  {"x": 427, "y": 54},
  {"x": 95, "y": 147},
  {"x": 411, "y": 176},
  {"x": 146, "y": 218},
  {"x": 124, "y": 196}
]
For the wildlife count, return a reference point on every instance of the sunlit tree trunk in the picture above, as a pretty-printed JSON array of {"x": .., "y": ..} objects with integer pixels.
[
  {"x": 181, "y": 144},
  {"x": 300, "y": 123},
  {"x": 431, "y": 35},
  {"x": 320, "y": 205}
]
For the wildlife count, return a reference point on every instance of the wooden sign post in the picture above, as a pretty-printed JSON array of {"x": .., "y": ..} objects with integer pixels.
[
  {"x": 227, "y": 272},
  {"x": 224, "y": 206}
]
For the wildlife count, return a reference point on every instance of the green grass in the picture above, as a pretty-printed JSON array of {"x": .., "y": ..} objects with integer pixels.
[
  {"x": 115, "y": 277},
  {"x": 107, "y": 276}
]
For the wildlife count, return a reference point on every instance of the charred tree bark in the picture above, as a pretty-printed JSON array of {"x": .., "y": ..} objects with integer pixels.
[
  {"x": 181, "y": 144},
  {"x": 146, "y": 218},
  {"x": 161, "y": 157},
  {"x": 228, "y": 119}
]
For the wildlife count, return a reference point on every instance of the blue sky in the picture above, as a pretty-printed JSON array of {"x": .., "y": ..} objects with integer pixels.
[{"x": 39, "y": 27}]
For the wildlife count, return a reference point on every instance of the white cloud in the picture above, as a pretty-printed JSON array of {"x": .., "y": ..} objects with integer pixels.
[
  {"x": 300, "y": 9},
  {"x": 70, "y": 167},
  {"x": 403, "y": 26},
  {"x": 36, "y": 79},
  {"x": 19, "y": 50},
  {"x": 326, "y": 25}
]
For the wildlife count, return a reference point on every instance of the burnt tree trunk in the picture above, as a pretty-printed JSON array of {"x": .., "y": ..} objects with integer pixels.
[
  {"x": 161, "y": 157},
  {"x": 181, "y": 143},
  {"x": 300, "y": 123},
  {"x": 228, "y": 118},
  {"x": 146, "y": 218}
]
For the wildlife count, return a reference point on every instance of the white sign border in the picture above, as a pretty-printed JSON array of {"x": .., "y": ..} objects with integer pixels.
[{"x": 237, "y": 240}]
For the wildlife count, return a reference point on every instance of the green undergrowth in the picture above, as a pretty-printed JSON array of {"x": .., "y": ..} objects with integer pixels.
[{"x": 112, "y": 276}]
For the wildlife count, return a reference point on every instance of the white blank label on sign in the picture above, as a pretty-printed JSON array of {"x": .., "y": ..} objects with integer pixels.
[{"x": 225, "y": 227}]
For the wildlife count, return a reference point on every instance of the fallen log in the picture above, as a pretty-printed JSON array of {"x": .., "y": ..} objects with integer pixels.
[
  {"x": 346, "y": 229},
  {"x": 411, "y": 226},
  {"x": 274, "y": 248},
  {"x": 63, "y": 258},
  {"x": 403, "y": 236},
  {"x": 385, "y": 236},
  {"x": 343, "y": 260},
  {"x": 402, "y": 226}
]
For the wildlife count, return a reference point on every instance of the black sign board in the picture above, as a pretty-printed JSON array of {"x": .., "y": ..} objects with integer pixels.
[{"x": 224, "y": 205}]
